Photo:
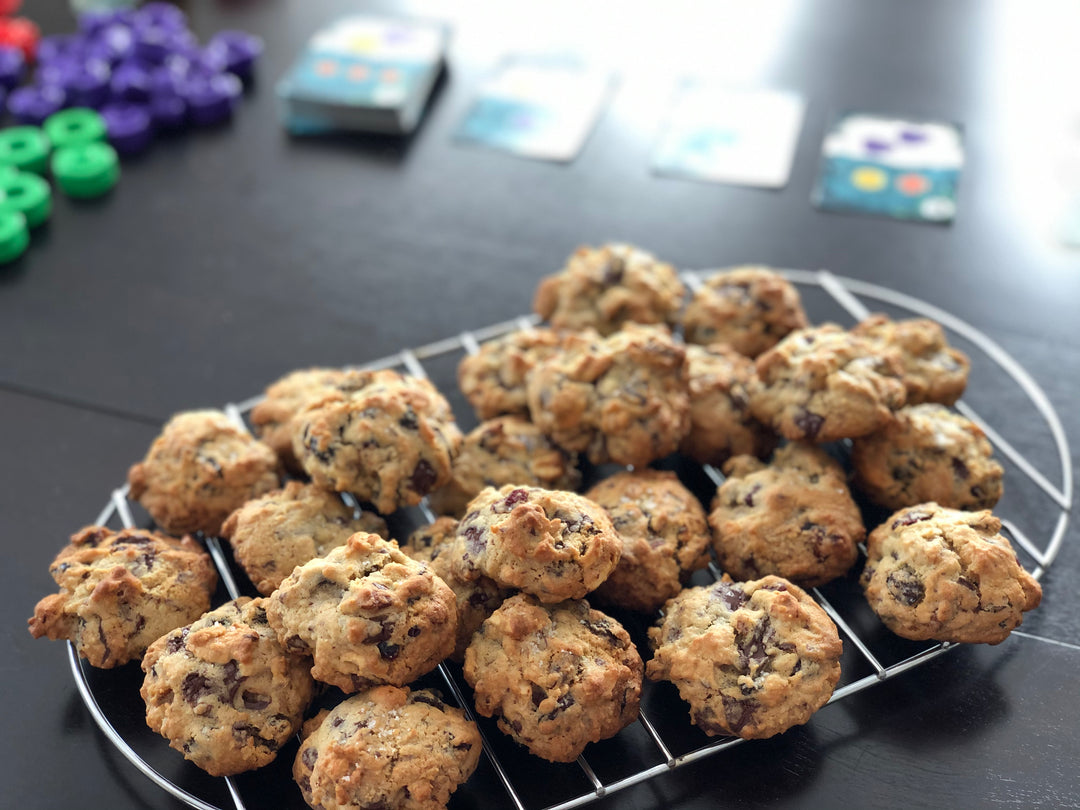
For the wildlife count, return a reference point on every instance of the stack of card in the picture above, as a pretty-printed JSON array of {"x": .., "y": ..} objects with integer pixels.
[{"x": 363, "y": 73}]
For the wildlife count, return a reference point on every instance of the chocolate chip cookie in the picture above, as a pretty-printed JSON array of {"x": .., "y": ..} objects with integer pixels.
[
  {"x": 622, "y": 399},
  {"x": 748, "y": 308},
  {"x": 493, "y": 380},
  {"x": 120, "y": 591},
  {"x": 947, "y": 575},
  {"x": 555, "y": 545},
  {"x": 386, "y": 748},
  {"x": 823, "y": 384},
  {"x": 752, "y": 659},
  {"x": 199, "y": 470},
  {"x": 273, "y": 534},
  {"x": 793, "y": 517},
  {"x": 607, "y": 287},
  {"x": 928, "y": 453},
  {"x": 664, "y": 537},
  {"x": 223, "y": 691},
  {"x": 557, "y": 677},
  {"x": 505, "y": 450},
  {"x": 367, "y": 613},
  {"x": 390, "y": 442},
  {"x": 933, "y": 371},
  {"x": 721, "y": 424}
]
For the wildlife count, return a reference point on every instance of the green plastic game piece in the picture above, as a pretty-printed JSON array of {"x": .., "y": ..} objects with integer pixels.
[
  {"x": 14, "y": 236},
  {"x": 86, "y": 171},
  {"x": 25, "y": 148},
  {"x": 28, "y": 195},
  {"x": 74, "y": 127}
]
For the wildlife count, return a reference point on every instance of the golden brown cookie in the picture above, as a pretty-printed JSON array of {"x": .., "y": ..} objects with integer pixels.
[
  {"x": 223, "y": 691},
  {"x": 199, "y": 470},
  {"x": 947, "y": 575},
  {"x": 605, "y": 288},
  {"x": 555, "y": 545},
  {"x": 386, "y": 748},
  {"x": 273, "y": 534},
  {"x": 664, "y": 537},
  {"x": 493, "y": 380},
  {"x": 557, "y": 677},
  {"x": 933, "y": 370},
  {"x": 622, "y": 399},
  {"x": 752, "y": 659},
  {"x": 120, "y": 591},
  {"x": 748, "y": 308},
  {"x": 367, "y": 613},
  {"x": 793, "y": 517},
  {"x": 928, "y": 453}
]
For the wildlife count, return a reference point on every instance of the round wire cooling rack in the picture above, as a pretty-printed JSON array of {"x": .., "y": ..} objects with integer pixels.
[{"x": 848, "y": 294}]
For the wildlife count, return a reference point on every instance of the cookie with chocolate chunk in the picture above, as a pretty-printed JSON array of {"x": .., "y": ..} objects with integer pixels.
[
  {"x": 821, "y": 384},
  {"x": 749, "y": 308},
  {"x": 947, "y": 575},
  {"x": 622, "y": 399},
  {"x": 752, "y": 659},
  {"x": 367, "y": 613},
  {"x": 664, "y": 537},
  {"x": 493, "y": 379},
  {"x": 555, "y": 545},
  {"x": 556, "y": 677},
  {"x": 121, "y": 591},
  {"x": 390, "y": 442},
  {"x": 928, "y": 453},
  {"x": 793, "y": 517},
  {"x": 201, "y": 468},
  {"x": 223, "y": 691},
  {"x": 388, "y": 748},
  {"x": 273, "y": 534},
  {"x": 607, "y": 287},
  {"x": 933, "y": 371}
]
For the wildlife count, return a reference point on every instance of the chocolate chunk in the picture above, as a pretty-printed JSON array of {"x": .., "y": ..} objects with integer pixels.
[
  {"x": 295, "y": 644},
  {"x": 905, "y": 586},
  {"x": 176, "y": 642},
  {"x": 254, "y": 700},
  {"x": 423, "y": 477},
  {"x": 908, "y": 518},
  {"x": 538, "y": 695},
  {"x": 194, "y": 687},
  {"x": 408, "y": 421},
  {"x": 602, "y": 629},
  {"x": 738, "y": 713},
  {"x": 413, "y": 632},
  {"x": 749, "y": 499},
  {"x": 428, "y": 699},
  {"x": 231, "y": 679},
  {"x": 562, "y": 704},
  {"x": 386, "y": 629},
  {"x": 960, "y": 469},
  {"x": 733, "y": 597},
  {"x": 809, "y": 423},
  {"x": 389, "y": 651},
  {"x": 513, "y": 498},
  {"x": 242, "y": 732},
  {"x": 310, "y": 756}
]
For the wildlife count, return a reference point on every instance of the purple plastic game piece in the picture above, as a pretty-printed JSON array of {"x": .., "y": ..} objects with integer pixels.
[
  {"x": 59, "y": 46},
  {"x": 34, "y": 103},
  {"x": 160, "y": 15},
  {"x": 168, "y": 111},
  {"x": 112, "y": 44},
  {"x": 86, "y": 82},
  {"x": 130, "y": 82},
  {"x": 129, "y": 126},
  {"x": 211, "y": 100},
  {"x": 154, "y": 44},
  {"x": 12, "y": 67},
  {"x": 239, "y": 50},
  {"x": 92, "y": 22}
]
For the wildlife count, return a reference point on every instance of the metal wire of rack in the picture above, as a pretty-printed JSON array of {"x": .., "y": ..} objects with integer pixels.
[{"x": 844, "y": 291}]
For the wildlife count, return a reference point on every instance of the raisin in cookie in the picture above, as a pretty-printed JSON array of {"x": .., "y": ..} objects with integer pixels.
[
  {"x": 933, "y": 370},
  {"x": 752, "y": 659},
  {"x": 273, "y": 534},
  {"x": 554, "y": 545},
  {"x": 557, "y": 677},
  {"x": 748, "y": 308},
  {"x": 199, "y": 470},
  {"x": 367, "y": 613},
  {"x": 622, "y": 399},
  {"x": 223, "y": 691},
  {"x": 493, "y": 379},
  {"x": 120, "y": 591},
  {"x": 386, "y": 748},
  {"x": 605, "y": 288},
  {"x": 390, "y": 442},
  {"x": 476, "y": 598},
  {"x": 823, "y": 384},
  {"x": 928, "y": 453},
  {"x": 793, "y": 517},
  {"x": 947, "y": 575},
  {"x": 721, "y": 425},
  {"x": 505, "y": 450},
  {"x": 664, "y": 537}
]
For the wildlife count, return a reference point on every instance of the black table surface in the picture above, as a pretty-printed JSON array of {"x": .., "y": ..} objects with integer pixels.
[{"x": 226, "y": 258}]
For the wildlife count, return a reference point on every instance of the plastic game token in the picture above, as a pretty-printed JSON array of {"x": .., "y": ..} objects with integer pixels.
[
  {"x": 9, "y": 6},
  {"x": 75, "y": 126},
  {"x": 168, "y": 111},
  {"x": 160, "y": 15},
  {"x": 86, "y": 171},
  {"x": 33, "y": 104},
  {"x": 129, "y": 127},
  {"x": 86, "y": 81},
  {"x": 14, "y": 236},
  {"x": 112, "y": 44},
  {"x": 58, "y": 46},
  {"x": 26, "y": 148},
  {"x": 240, "y": 50},
  {"x": 12, "y": 67},
  {"x": 28, "y": 195},
  {"x": 21, "y": 33},
  {"x": 211, "y": 101},
  {"x": 153, "y": 44},
  {"x": 130, "y": 82}
]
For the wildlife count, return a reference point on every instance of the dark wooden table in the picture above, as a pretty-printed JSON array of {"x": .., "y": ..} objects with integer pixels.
[{"x": 228, "y": 257}]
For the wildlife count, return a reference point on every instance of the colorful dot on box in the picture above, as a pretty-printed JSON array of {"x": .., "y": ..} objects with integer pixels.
[
  {"x": 867, "y": 178},
  {"x": 912, "y": 184}
]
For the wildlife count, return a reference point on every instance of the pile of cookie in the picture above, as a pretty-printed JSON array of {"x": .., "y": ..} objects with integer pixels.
[{"x": 627, "y": 372}]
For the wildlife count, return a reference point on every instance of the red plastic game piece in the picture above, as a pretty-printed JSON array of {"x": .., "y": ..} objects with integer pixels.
[
  {"x": 8, "y": 7},
  {"x": 21, "y": 33}
]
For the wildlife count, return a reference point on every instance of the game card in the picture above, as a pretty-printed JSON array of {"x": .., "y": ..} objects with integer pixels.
[
  {"x": 743, "y": 137},
  {"x": 892, "y": 167}
]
